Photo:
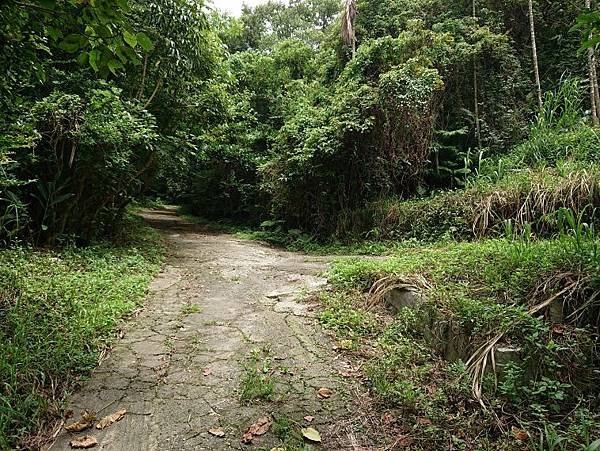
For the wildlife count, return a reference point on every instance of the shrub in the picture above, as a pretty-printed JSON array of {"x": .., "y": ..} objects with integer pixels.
[{"x": 85, "y": 159}]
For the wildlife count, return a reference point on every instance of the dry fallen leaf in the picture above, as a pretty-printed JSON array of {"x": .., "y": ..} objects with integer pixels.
[
  {"x": 404, "y": 441},
  {"x": 87, "y": 420},
  {"x": 311, "y": 434},
  {"x": 309, "y": 418},
  {"x": 260, "y": 427},
  {"x": 558, "y": 329},
  {"x": 324, "y": 392},
  {"x": 343, "y": 345},
  {"x": 110, "y": 419},
  {"x": 78, "y": 426},
  {"x": 84, "y": 442},
  {"x": 217, "y": 432},
  {"x": 424, "y": 422},
  {"x": 520, "y": 434},
  {"x": 388, "y": 418},
  {"x": 247, "y": 437}
]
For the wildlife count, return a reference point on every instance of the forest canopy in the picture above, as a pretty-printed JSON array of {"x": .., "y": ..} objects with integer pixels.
[{"x": 274, "y": 115}]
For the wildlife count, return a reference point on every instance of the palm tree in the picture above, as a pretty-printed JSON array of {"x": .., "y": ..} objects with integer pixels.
[{"x": 348, "y": 31}]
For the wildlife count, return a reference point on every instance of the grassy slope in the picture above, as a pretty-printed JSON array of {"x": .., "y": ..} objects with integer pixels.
[
  {"x": 482, "y": 288},
  {"x": 58, "y": 309}
]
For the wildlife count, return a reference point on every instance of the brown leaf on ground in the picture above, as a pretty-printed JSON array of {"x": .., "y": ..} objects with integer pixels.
[
  {"x": 324, "y": 393},
  {"x": 424, "y": 422},
  {"x": 520, "y": 434},
  {"x": 388, "y": 418},
  {"x": 403, "y": 441},
  {"x": 110, "y": 419},
  {"x": 558, "y": 329},
  {"x": 78, "y": 426},
  {"x": 260, "y": 427},
  {"x": 311, "y": 434},
  {"x": 309, "y": 418},
  {"x": 247, "y": 437},
  {"x": 217, "y": 432},
  {"x": 87, "y": 420},
  {"x": 84, "y": 442}
]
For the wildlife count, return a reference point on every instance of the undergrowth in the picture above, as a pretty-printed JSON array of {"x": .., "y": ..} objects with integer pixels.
[
  {"x": 58, "y": 310},
  {"x": 546, "y": 390}
]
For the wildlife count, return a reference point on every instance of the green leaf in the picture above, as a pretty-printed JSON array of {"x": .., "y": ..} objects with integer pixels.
[
  {"x": 144, "y": 41},
  {"x": 83, "y": 58},
  {"x": 114, "y": 65},
  {"x": 94, "y": 56},
  {"x": 48, "y": 4},
  {"x": 130, "y": 38},
  {"x": 123, "y": 4},
  {"x": 131, "y": 55},
  {"x": 54, "y": 33},
  {"x": 72, "y": 43},
  {"x": 311, "y": 434}
]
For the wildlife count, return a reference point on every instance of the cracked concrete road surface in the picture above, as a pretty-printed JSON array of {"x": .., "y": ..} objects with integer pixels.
[{"x": 220, "y": 307}]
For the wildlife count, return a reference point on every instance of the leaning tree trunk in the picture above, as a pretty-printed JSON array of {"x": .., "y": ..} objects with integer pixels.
[
  {"x": 476, "y": 93},
  {"x": 594, "y": 91},
  {"x": 536, "y": 67}
]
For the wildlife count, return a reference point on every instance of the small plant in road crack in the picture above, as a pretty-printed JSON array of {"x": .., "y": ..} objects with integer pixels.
[
  {"x": 189, "y": 309},
  {"x": 258, "y": 382}
]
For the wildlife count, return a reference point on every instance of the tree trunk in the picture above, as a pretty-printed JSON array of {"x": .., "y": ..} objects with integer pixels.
[
  {"x": 594, "y": 91},
  {"x": 476, "y": 94},
  {"x": 536, "y": 68}
]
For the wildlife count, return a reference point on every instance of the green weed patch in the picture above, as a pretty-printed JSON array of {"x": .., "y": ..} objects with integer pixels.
[
  {"x": 58, "y": 309},
  {"x": 472, "y": 292}
]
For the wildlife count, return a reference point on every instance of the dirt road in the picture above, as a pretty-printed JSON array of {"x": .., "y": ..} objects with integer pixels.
[{"x": 220, "y": 309}]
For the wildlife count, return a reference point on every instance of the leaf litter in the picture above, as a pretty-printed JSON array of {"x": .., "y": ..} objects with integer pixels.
[
  {"x": 111, "y": 419},
  {"x": 83, "y": 442},
  {"x": 260, "y": 427}
]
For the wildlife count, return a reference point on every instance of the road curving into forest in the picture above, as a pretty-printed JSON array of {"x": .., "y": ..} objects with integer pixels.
[{"x": 220, "y": 307}]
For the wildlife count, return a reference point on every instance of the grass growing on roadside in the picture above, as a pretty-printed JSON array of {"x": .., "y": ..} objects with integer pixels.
[
  {"x": 483, "y": 288},
  {"x": 58, "y": 309},
  {"x": 297, "y": 241}
]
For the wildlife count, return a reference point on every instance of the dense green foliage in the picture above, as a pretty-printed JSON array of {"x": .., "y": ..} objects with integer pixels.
[
  {"x": 415, "y": 121},
  {"x": 302, "y": 132},
  {"x": 57, "y": 311},
  {"x": 93, "y": 95}
]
